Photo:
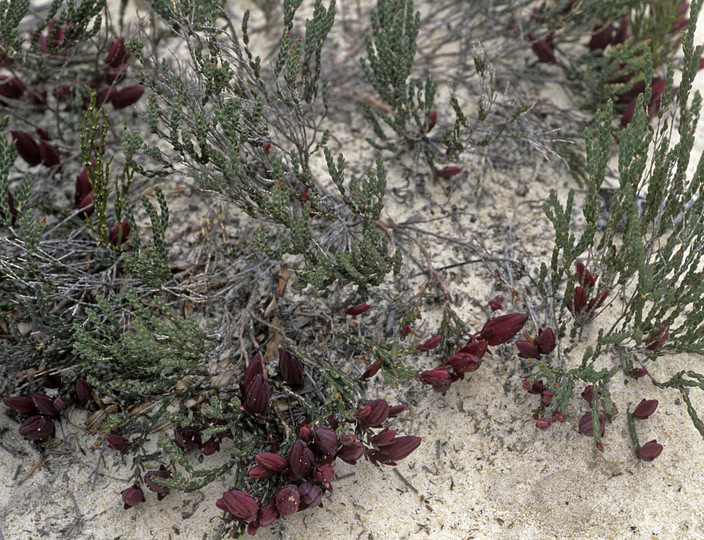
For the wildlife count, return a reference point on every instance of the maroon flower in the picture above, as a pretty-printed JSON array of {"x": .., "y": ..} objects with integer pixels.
[
  {"x": 543, "y": 423},
  {"x": 645, "y": 408},
  {"x": 120, "y": 233},
  {"x": 254, "y": 368},
  {"x": 357, "y": 310},
  {"x": 49, "y": 154},
  {"x": 430, "y": 344},
  {"x": 325, "y": 441},
  {"x": 161, "y": 491},
  {"x": 211, "y": 446},
  {"x": 11, "y": 87},
  {"x": 542, "y": 48},
  {"x": 132, "y": 496},
  {"x": 301, "y": 459},
  {"x": 287, "y": 500},
  {"x": 87, "y": 205},
  {"x": 405, "y": 330},
  {"x": 658, "y": 337},
  {"x": 268, "y": 515},
  {"x": 51, "y": 380},
  {"x": 310, "y": 494},
  {"x": 127, "y": 96},
  {"x": 21, "y": 404},
  {"x": 371, "y": 370},
  {"x": 601, "y": 37},
  {"x": 448, "y": 172},
  {"x": 115, "y": 76},
  {"x": 37, "y": 98},
  {"x": 527, "y": 349},
  {"x": 373, "y": 414},
  {"x": 391, "y": 449},
  {"x": 60, "y": 404},
  {"x": 84, "y": 391},
  {"x": 350, "y": 453},
  {"x": 271, "y": 461},
  {"x": 396, "y": 410},
  {"x": 546, "y": 341},
  {"x": 503, "y": 328},
  {"x": 439, "y": 378},
  {"x": 637, "y": 373},
  {"x": 107, "y": 95},
  {"x": 83, "y": 188},
  {"x": 546, "y": 397},
  {"x": 118, "y": 442},
  {"x": 27, "y": 147},
  {"x": 291, "y": 368},
  {"x": 257, "y": 396},
  {"x": 37, "y": 428},
  {"x": 475, "y": 347},
  {"x": 586, "y": 426},
  {"x": 324, "y": 473},
  {"x": 649, "y": 451},
  {"x": 117, "y": 52},
  {"x": 45, "y": 405},
  {"x": 260, "y": 472},
  {"x": 463, "y": 363},
  {"x": 187, "y": 438},
  {"x": 240, "y": 504},
  {"x": 536, "y": 387}
]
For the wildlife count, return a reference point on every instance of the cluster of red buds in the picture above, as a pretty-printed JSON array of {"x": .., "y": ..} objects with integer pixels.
[
  {"x": 534, "y": 348},
  {"x": 307, "y": 470},
  {"x": 254, "y": 389},
  {"x": 35, "y": 153},
  {"x": 134, "y": 495},
  {"x": 43, "y": 409},
  {"x": 658, "y": 337},
  {"x": 584, "y": 303},
  {"x": 546, "y": 395},
  {"x": 467, "y": 359},
  {"x": 586, "y": 422}
]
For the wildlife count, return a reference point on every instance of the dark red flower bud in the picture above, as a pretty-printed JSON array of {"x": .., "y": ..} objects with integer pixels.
[
  {"x": 357, "y": 310},
  {"x": 628, "y": 112},
  {"x": 161, "y": 491},
  {"x": 371, "y": 370},
  {"x": 586, "y": 426},
  {"x": 268, "y": 515},
  {"x": 118, "y": 442},
  {"x": 580, "y": 300},
  {"x": 373, "y": 414},
  {"x": 543, "y": 423},
  {"x": 439, "y": 378},
  {"x": 107, "y": 95},
  {"x": 430, "y": 344},
  {"x": 272, "y": 461},
  {"x": 595, "y": 303},
  {"x": 542, "y": 49},
  {"x": 637, "y": 373},
  {"x": 254, "y": 368},
  {"x": 527, "y": 349},
  {"x": 475, "y": 347},
  {"x": 347, "y": 439},
  {"x": 546, "y": 397},
  {"x": 119, "y": 233},
  {"x": 49, "y": 154},
  {"x": 464, "y": 363},
  {"x": 645, "y": 408},
  {"x": 187, "y": 438},
  {"x": 311, "y": 495},
  {"x": 291, "y": 368},
  {"x": 678, "y": 25},
  {"x": 258, "y": 395},
  {"x": 621, "y": 32},
  {"x": 84, "y": 391},
  {"x": 87, "y": 206},
  {"x": 51, "y": 380},
  {"x": 497, "y": 303},
  {"x": 325, "y": 441},
  {"x": 588, "y": 394},
  {"x": 267, "y": 148},
  {"x": 658, "y": 337},
  {"x": 650, "y": 450},
  {"x": 27, "y": 147},
  {"x": 132, "y": 496},
  {"x": 332, "y": 421},
  {"x": 395, "y": 449},
  {"x": 535, "y": 388},
  {"x": 11, "y": 87},
  {"x": 432, "y": 119},
  {"x": 211, "y": 446},
  {"x": 405, "y": 330},
  {"x": 240, "y": 504},
  {"x": 287, "y": 500},
  {"x": 448, "y": 172},
  {"x": 601, "y": 37},
  {"x": 350, "y": 453},
  {"x": 503, "y": 328},
  {"x": 546, "y": 341},
  {"x": 260, "y": 472},
  {"x": 301, "y": 459},
  {"x": 83, "y": 188},
  {"x": 116, "y": 53},
  {"x": 584, "y": 277},
  {"x": 127, "y": 96},
  {"x": 114, "y": 76},
  {"x": 324, "y": 473},
  {"x": 63, "y": 92},
  {"x": 36, "y": 428},
  {"x": 44, "y": 404},
  {"x": 396, "y": 410},
  {"x": 60, "y": 404},
  {"x": 21, "y": 404}
]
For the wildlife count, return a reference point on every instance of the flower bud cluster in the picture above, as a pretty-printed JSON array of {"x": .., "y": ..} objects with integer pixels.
[{"x": 584, "y": 304}]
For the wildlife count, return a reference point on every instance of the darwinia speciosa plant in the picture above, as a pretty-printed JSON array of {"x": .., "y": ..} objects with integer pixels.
[{"x": 631, "y": 291}]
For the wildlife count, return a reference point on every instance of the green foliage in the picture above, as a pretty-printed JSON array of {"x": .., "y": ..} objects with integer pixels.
[{"x": 130, "y": 352}]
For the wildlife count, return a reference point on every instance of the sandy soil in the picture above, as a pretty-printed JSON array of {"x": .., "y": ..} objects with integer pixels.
[{"x": 483, "y": 470}]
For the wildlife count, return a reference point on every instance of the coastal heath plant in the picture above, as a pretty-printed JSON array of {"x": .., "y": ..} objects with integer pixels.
[{"x": 644, "y": 267}]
